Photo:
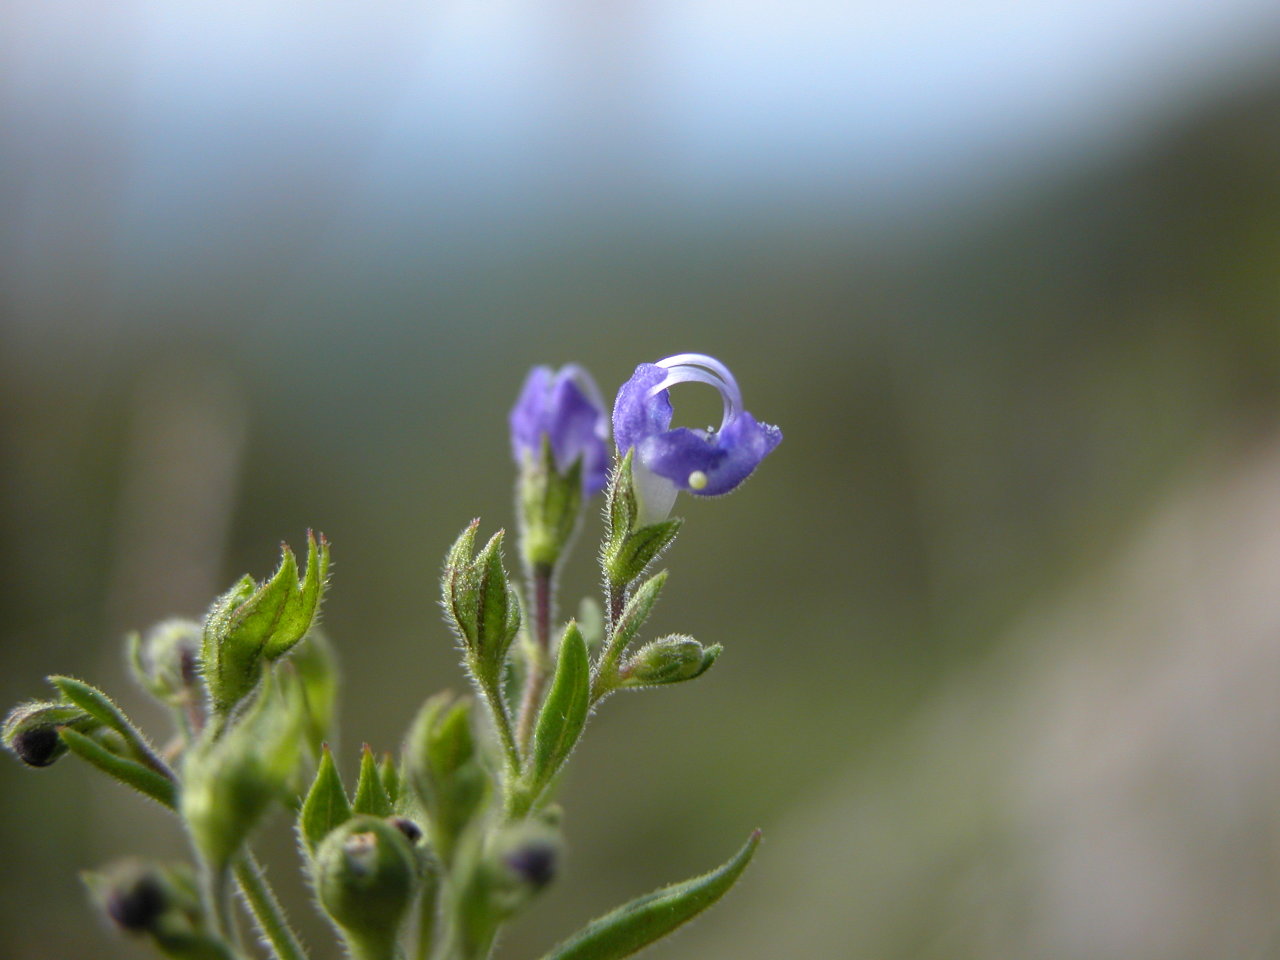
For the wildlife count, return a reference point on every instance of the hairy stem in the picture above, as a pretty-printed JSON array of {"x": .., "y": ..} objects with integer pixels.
[
  {"x": 543, "y": 602},
  {"x": 267, "y": 912}
]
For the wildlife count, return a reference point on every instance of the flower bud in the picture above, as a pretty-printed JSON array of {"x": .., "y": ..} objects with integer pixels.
[
  {"x": 136, "y": 905},
  {"x": 30, "y": 730},
  {"x": 254, "y": 623},
  {"x": 559, "y": 438},
  {"x": 443, "y": 768},
  {"x": 366, "y": 871},
  {"x": 229, "y": 783},
  {"x": 480, "y": 604},
  {"x": 406, "y": 826},
  {"x": 668, "y": 660},
  {"x": 160, "y": 901},
  {"x": 522, "y": 862},
  {"x": 166, "y": 660}
]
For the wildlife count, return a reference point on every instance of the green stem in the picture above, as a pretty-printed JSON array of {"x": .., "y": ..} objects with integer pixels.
[
  {"x": 267, "y": 912},
  {"x": 543, "y": 582},
  {"x": 428, "y": 908}
]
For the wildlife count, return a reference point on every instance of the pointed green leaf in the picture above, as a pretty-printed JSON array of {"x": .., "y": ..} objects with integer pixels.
[
  {"x": 370, "y": 798},
  {"x": 564, "y": 712},
  {"x": 103, "y": 709},
  {"x": 390, "y": 778},
  {"x": 639, "y": 549},
  {"x": 635, "y": 925},
  {"x": 143, "y": 779},
  {"x": 326, "y": 805},
  {"x": 302, "y": 601}
]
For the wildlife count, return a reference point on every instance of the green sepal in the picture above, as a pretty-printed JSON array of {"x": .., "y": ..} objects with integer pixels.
[
  {"x": 639, "y": 549},
  {"x": 635, "y": 925},
  {"x": 390, "y": 778},
  {"x": 366, "y": 872},
  {"x": 371, "y": 797},
  {"x": 481, "y": 605},
  {"x": 629, "y": 548},
  {"x": 326, "y": 807},
  {"x": 634, "y": 614},
  {"x": 30, "y": 731},
  {"x": 564, "y": 711},
  {"x": 252, "y": 623},
  {"x": 444, "y": 770},
  {"x": 671, "y": 659},
  {"x": 550, "y": 505},
  {"x": 129, "y": 772},
  {"x": 103, "y": 709}
]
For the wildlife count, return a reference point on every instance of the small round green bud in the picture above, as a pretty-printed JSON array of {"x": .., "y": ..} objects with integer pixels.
[
  {"x": 668, "y": 660},
  {"x": 365, "y": 876}
]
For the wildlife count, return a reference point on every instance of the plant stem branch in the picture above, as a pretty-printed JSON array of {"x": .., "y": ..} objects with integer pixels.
[
  {"x": 267, "y": 912},
  {"x": 543, "y": 582}
]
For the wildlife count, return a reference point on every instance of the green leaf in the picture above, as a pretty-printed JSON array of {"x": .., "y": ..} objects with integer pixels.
[
  {"x": 371, "y": 797},
  {"x": 390, "y": 777},
  {"x": 635, "y": 925},
  {"x": 101, "y": 707},
  {"x": 301, "y": 601},
  {"x": 621, "y": 507},
  {"x": 639, "y": 549},
  {"x": 634, "y": 614},
  {"x": 564, "y": 712},
  {"x": 326, "y": 806},
  {"x": 143, "y": 779}
]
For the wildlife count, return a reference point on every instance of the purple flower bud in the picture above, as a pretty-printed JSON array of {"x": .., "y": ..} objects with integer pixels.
[
  {"x": 703, "y": 462},
  {"x": 566, "y": 407}
]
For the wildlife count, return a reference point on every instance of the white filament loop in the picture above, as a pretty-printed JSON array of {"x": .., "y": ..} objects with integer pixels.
[{"x": 689, "y": 368}]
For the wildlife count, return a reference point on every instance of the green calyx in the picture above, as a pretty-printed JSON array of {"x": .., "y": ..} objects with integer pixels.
[
  {"x": 629, "y": 547},
  {"x": 444, "y": 770},
  {"x": 550, "y": 504},
  {"x": 366, "y": 872},
  {"x": 480, "y": 603},
  {"x": 252, "y": 624}
]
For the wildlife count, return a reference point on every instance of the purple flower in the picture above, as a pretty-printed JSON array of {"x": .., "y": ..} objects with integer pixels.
[
  {"x": 566, "y": 407},
  {"x": 704, "y": 462}
]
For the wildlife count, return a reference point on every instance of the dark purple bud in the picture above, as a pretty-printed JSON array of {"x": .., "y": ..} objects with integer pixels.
[
  {"x": 533, "y": 862},
  {"x": 38, "y": 746},
  {"x": 407, "y": 827},
  {"x": 136, "y": 904},
  {"x": 565, "y": 407}
]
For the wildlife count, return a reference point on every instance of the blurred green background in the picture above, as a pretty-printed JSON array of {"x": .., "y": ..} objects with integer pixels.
[{"x": 1000, "y": 619}]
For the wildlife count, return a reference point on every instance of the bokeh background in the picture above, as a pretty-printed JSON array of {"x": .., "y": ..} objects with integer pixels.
[{"x": 1001, "y": 615}]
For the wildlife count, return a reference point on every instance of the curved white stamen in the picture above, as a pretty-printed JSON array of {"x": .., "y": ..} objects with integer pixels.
[
  {"x": 689, "y": 368},
  {"x": 588, "y": 386}
]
